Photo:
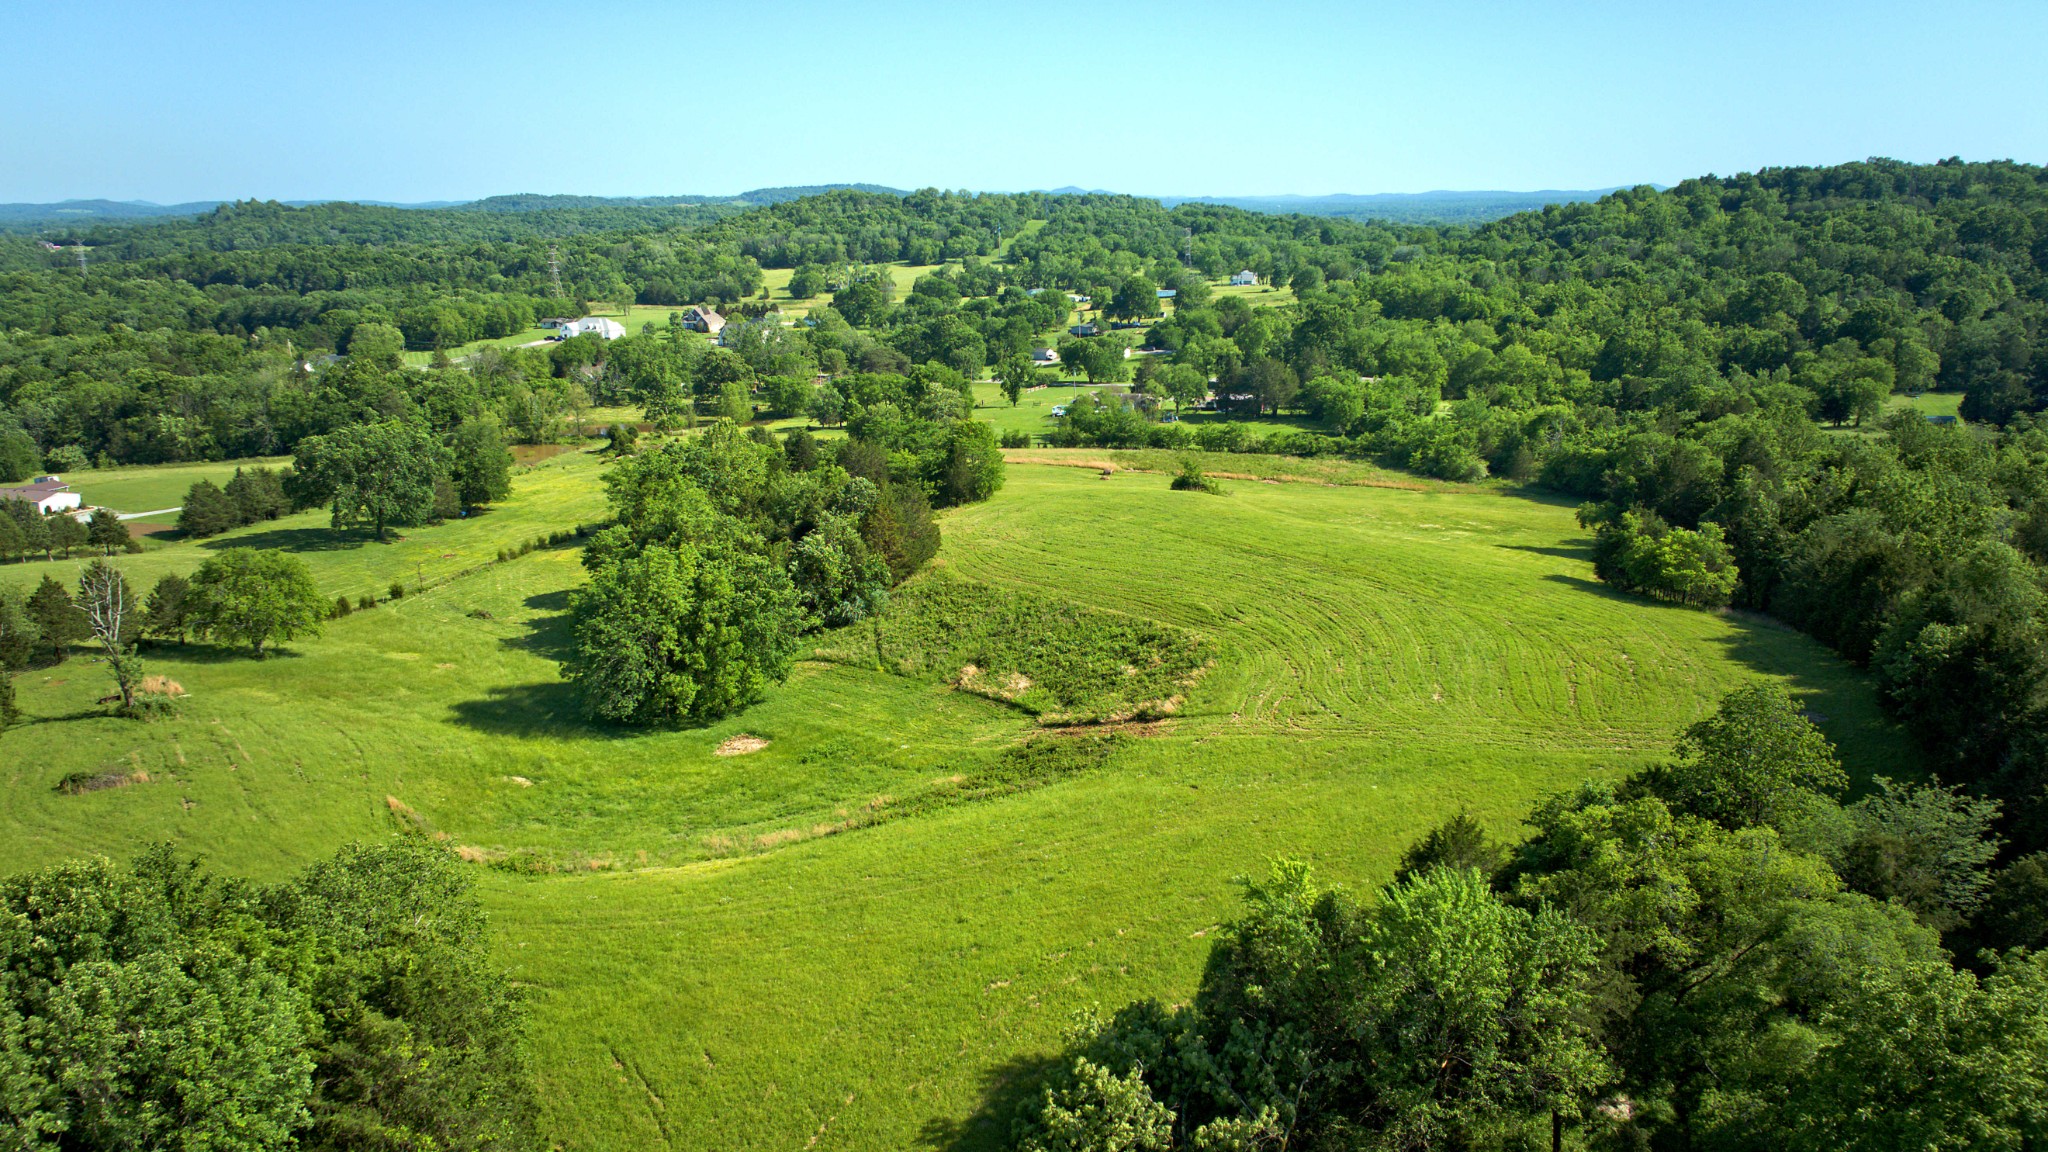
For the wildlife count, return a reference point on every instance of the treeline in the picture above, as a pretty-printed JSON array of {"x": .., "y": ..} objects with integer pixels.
[
  {"x": 154, "y": 1005},
  {"x": 1715, "y": 954}
]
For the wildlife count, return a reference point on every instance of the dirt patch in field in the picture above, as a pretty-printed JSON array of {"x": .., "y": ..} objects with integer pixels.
[
  {"x": 535, "y": 453},
  {"x": 1027, "y": 456},
  {"x": 739, "y": 745},
  {"x": 79, "y": 783}
]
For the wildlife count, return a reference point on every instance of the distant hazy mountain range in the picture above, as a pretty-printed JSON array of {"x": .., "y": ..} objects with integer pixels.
[
  {"x": 1401, "y": 207},
  {"x": 1405, "y": 207}
]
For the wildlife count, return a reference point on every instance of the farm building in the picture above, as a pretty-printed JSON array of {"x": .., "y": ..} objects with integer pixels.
[
  {"x": 701, "y": 319},
  {"x": 598, "y": 326},
  {"x": 47, "y": 493},
  {"x": 1245, "y": 277},
  {"x": 1042, "y": 356},
  {"x": 1167, "y": 293},
  {"x": 1084, "y": 329}
]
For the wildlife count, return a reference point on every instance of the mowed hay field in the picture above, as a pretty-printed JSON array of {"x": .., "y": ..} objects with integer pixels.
[{"x": 723, "y": 956}]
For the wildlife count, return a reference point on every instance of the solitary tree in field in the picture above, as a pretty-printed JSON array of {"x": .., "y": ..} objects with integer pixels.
[
  {"x": 255, "y": 597},
  {"x": 114, "y": 616},
  {"x": 1016, "y": 374},
  {"x": 682, "y": 634}
]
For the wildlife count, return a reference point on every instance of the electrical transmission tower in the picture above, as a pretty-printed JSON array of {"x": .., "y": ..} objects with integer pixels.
[
  {"x": 81, "y": 259},
  {"x": 555, "y": 270},
  {"x": 1187, "y": 248}
]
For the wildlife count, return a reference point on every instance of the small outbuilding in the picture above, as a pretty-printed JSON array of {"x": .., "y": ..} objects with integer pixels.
[
  {"x": 1044, "y": 356},
  {"x": 1243, "y": 278},
  {"x": 1088, "y": 329},
  {"x": 47, "y": 493}
]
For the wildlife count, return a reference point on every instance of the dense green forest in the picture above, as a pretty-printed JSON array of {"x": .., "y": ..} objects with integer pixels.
[{"x": 1710, "y": 369}]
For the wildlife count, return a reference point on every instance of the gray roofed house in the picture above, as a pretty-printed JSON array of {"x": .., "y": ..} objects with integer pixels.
[{"x": 698, "y": 318}]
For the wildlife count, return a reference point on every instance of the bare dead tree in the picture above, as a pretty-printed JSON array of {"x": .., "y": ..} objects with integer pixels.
[{"x": 111, "y": 611}]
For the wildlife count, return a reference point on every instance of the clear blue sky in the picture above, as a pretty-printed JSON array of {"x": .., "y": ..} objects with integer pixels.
[{"x": 207, "y": 99}]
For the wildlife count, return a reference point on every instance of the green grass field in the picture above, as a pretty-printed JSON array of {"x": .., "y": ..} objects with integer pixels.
[
  {"x": 146, "y": 488},
  {"x": 817, "y": 943},
  {"x": 558, "y": 493}
]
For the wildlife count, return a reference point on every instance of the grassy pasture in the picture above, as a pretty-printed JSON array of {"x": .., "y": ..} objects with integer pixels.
[
  {"x": 557, "y": 493},
  {"x": 727, "y": 957},
  {"x": 147, "y": 487}
]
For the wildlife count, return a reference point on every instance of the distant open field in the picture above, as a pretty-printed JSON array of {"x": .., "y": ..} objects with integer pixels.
[
  {"x": 558, "y": 493},
  {"x": 146, "y": 488},
  {"x": 724, "y": 956}
]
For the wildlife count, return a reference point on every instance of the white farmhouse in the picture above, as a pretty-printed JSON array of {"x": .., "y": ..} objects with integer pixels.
[
  {"x": 47, "y": 493},
  {"x": 1245, "y": 277},
  {"x": 599, "y": 326}
]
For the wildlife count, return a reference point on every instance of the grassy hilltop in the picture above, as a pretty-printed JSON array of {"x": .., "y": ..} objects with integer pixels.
[{"x": 856, "y": 933}]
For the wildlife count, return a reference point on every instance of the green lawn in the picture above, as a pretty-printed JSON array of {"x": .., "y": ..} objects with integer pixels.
[
  {"x": 744, "y": 951},
  {"x": 1928, "y": 403},
  {"x": 146, "y": 488},
  {"x": 558, "y": 493}
]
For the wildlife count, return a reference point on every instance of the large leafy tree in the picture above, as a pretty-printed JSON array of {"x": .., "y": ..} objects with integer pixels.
[
  {"x": 255, "y": 597},
  {"x": 371, "y": 474},
  {"x": 682, "y": 633},
  {"x": 479, "y": 464},
  {"x": 1756, "y": 761}
]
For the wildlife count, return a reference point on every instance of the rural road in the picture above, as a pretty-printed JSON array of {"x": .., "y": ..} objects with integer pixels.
[{"x": 158, "y": 512}]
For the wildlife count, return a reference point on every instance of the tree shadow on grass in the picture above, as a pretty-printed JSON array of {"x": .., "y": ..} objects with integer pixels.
[
  {"x": 546, "y": 708},
  {"x": 551, "y": 636},
  {"x": 1581, "y": 552},
  {"x": 1840, "y": 698},
  {"x": 1607, "y": 593},
  {"x": 193, "y": 653},
  {"x": 295, "y": 540},
  {"x": 541, "y": 709},
  {"x": 1003, "y": 1089}
]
